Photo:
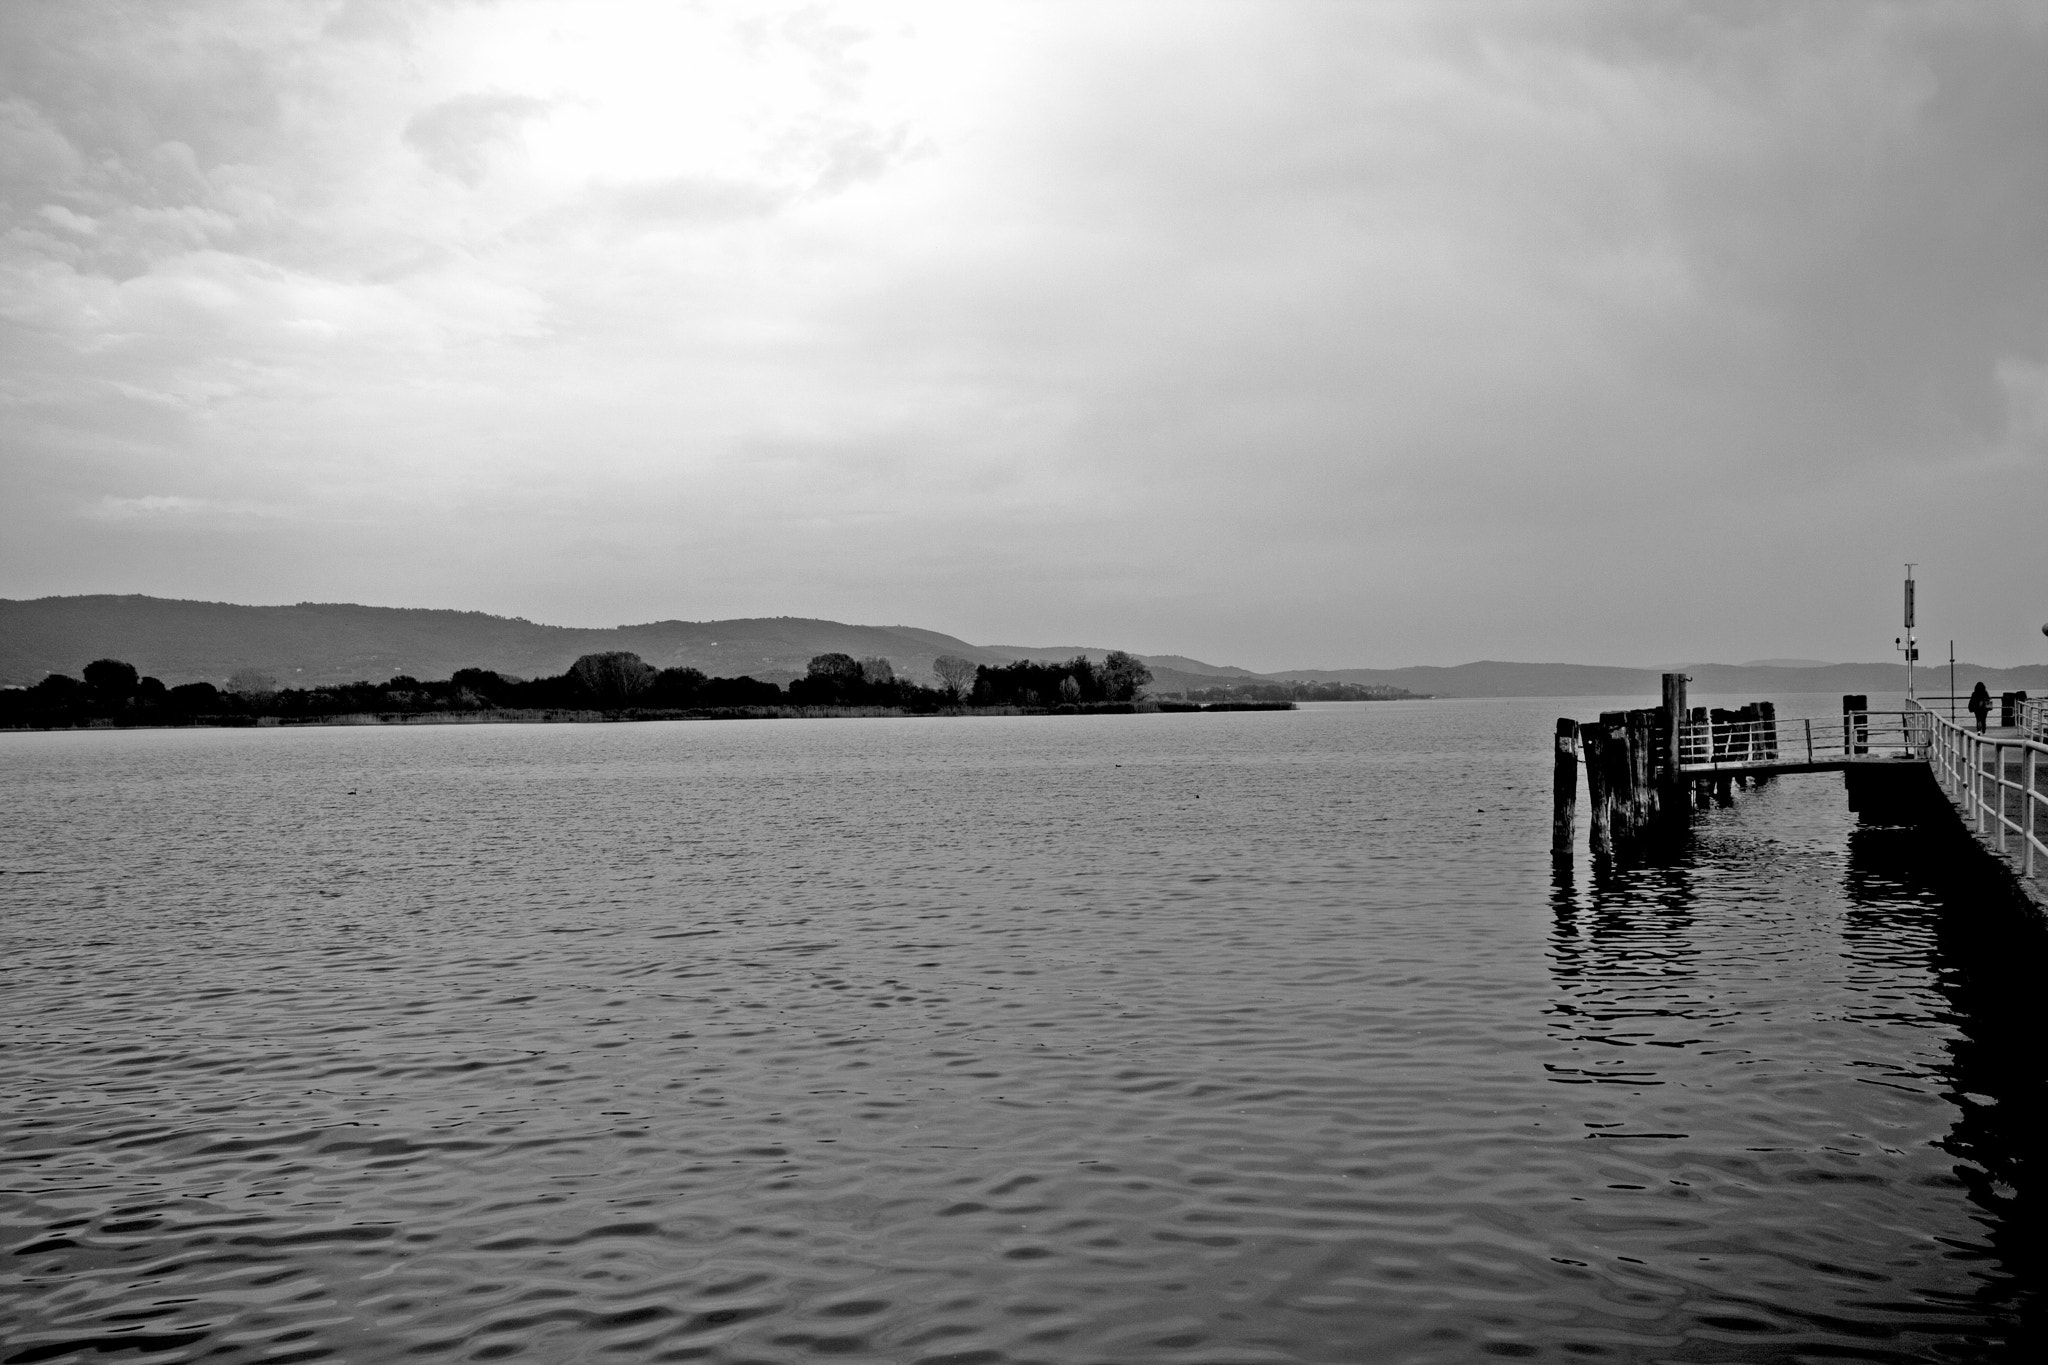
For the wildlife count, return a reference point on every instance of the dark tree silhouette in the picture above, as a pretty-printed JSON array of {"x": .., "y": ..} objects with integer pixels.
[
  {"x": 612, "y": 679},
  {"x": 59, "y": 688},
  {"x": 1123, "y": 676},
  {"x": 195, "y": 698},
  {"x": 110, "y": 681},
  {"x": 830, "y": 680},
  {"x": 487, "y": 686},
  {"x": 675, "y": 687},
  {"x": 956, "y": 675},
  {"x": 836, "y": 667}
]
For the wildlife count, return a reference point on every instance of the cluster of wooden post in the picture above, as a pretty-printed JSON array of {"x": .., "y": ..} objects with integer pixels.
[
  {"x": 1631, "y": 761},
  {"x": 1635, "y": 786}
]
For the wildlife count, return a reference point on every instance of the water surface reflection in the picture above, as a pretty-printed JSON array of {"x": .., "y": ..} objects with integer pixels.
[
  {"x": 1189, "y": 1039},
  {"x": 1830, "y": 1028}
]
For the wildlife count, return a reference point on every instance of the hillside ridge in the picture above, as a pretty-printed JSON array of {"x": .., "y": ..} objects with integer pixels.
[{"x": 308, "y": 643}]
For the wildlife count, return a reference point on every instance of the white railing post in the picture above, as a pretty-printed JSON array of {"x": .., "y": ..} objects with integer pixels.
[
  {"x": 1977, "y": 779},
  {"x": 1998, "y": 788},
  {"x": 2030, "y": 768}
]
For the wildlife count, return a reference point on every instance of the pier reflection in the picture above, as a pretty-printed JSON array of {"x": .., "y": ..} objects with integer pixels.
[
  {"x": 1913, "y": 894},
  {"x": 1841, "y": 1019}
]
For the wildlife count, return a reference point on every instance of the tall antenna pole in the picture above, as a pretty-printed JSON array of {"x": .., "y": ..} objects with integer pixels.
[{"x": 1911, "y": 647}]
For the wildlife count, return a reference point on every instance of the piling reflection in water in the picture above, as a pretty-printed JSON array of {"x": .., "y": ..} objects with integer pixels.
[{"x": 1664, "y": 966}]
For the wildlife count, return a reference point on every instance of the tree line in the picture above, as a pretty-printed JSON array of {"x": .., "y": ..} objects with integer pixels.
[{"x": 617, "y": 682}]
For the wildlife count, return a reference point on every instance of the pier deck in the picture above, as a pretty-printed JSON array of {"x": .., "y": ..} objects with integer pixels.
[{"x": 1647, "y": 769}]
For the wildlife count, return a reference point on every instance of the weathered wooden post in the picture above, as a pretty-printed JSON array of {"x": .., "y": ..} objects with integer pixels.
[
  {"x": 1675, "y": 712},
  {"x": 1564, "y": 785},
  {"x": 1700, "y": 751},
  {"x": 1642, "y": 757},
  {"x": 1619, "y": 769},
  {"x": 1599, "y": 832},
  {"x": 1672, "y": 804}
]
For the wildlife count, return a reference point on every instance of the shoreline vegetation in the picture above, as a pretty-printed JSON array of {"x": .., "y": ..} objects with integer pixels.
[{"x": 620, "y": 686}]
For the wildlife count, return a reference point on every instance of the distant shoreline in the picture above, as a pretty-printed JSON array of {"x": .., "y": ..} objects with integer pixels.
[
  {"x": 114, "y": 694},
  {"x": 571, "y": 716}
]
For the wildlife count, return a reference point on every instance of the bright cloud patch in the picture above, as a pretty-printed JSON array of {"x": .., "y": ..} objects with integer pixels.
[{"x": 148, "y": 506}]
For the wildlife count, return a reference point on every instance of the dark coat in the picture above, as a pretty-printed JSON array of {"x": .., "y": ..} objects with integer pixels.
[{"x": 1980, "y": 700}]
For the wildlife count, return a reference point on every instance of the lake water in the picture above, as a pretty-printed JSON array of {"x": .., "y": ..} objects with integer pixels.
[{"x": 1188, "y": 1038}]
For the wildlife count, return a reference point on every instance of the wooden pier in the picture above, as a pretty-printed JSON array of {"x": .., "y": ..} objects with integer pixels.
[{"x": 1647, "y": 770}]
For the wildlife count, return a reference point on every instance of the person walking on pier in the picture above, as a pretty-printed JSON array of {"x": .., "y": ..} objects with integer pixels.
[{"x": 1980, "y": 705}]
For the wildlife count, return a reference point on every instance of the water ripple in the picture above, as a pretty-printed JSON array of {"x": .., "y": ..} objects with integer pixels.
[{"x": 948, "y": 1042}]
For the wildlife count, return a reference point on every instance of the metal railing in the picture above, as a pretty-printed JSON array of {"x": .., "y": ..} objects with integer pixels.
[
  {"x": 2031, "y": 715},
  {"x": 1999, "y": 783},
  {"x": 2028, "y": 715},
  {"x": 1706, "y": 746}
]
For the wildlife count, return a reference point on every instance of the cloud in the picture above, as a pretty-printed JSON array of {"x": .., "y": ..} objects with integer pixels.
[
  {"x": 691, "y": 199},
  {"x": 151, "y": 505},
  {"x": 458, "y": 136},
  {"x": 1367, "y": 333}
]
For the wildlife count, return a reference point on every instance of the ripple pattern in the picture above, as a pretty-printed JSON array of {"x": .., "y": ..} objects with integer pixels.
[{"x": 1214, "y": 1038}]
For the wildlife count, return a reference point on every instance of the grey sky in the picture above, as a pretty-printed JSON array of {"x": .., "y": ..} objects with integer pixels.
[{"x": 1275, "y": 334}]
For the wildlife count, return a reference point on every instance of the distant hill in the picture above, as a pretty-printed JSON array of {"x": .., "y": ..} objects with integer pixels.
[
  {"x": 330, "y": 642},
  {"x": 322, "y": 642},
  {"x": 1498, "y": 679}
]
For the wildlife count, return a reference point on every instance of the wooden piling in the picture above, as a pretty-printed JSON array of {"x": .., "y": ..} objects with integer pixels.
[
  {"x": 1619, "y": 767},
  {"x": 1703, "y": 748},
  {"x": 1675, "y": 713},
  {"x": 1673, "y": 807},
  {"x": 1642, "y": 793},
  {"x": 1564, "y": 786},
  {"x": 1599, "y": 828}
]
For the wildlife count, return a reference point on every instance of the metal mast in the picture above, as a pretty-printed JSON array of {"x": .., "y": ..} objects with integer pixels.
[{"x": 1907, "y": 644}]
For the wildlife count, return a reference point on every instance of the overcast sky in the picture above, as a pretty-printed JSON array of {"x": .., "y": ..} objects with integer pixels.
[{"x": 1275, "y": 334}]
